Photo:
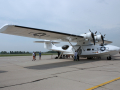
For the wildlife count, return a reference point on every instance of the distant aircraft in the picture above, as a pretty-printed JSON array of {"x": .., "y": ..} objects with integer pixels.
[{"x": 88, "y": 45}]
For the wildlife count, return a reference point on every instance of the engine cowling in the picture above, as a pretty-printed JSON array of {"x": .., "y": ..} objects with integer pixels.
[
  {"x": 89, "y": 36},
  {"x": 99, "y": 38}
]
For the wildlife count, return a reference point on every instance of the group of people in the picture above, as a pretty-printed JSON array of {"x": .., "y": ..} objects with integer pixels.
[
  {"x": 34, "y": 56},
  {"x": 76, "y": 57}
]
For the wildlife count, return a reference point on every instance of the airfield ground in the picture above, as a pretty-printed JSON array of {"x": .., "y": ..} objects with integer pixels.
[{"x": 21, "y": 73}]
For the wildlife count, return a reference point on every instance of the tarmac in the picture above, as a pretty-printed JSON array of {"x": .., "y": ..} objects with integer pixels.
[{"x": 21, "y": 73}]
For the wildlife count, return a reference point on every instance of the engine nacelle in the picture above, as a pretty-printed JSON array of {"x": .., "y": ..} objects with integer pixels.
[
  {"x": 87, "y": 36},
  {"x": 98, "y": 38}
]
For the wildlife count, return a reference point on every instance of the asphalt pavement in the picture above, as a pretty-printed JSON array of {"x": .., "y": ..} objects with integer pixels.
[{"x": 21, "y": 73}]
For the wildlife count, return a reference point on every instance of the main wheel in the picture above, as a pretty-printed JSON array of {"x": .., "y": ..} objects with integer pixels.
[{"x": 109, "y": 58}]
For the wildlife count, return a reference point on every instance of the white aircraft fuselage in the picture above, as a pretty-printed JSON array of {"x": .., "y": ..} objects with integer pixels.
[{"x": 86, "y": 50}]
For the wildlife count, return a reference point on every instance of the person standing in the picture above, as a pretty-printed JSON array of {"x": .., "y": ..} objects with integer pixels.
[
  {"x": 75, "y": 56},
  {"x": 33, "y": 56},
  {"x": 39, "y": 55}
]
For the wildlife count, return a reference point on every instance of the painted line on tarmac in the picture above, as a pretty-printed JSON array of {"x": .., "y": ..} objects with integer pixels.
[
  {"x": 103, "y": 84},
  {"x": 29, "y": 82}
]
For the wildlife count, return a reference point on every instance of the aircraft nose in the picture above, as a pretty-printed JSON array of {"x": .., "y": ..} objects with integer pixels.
[{"x": 117, "y": 49}]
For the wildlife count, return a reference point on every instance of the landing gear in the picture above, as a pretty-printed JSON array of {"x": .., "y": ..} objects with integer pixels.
[
  {"x": 109, "y": 58},
  {"x": 89, "y": 57},
  {"x": 78, "y": 58}
]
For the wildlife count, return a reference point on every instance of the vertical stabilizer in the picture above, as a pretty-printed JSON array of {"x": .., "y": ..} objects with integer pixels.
[{"x": 48, "y": 45}]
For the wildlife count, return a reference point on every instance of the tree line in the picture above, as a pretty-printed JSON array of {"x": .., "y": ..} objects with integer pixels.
[
  {"x": 14, "y": 52},
  {"x": 23, "y": 52}
]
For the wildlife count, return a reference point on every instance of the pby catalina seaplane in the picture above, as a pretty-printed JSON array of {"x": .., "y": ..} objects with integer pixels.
[{"x": 88, "y": 45}]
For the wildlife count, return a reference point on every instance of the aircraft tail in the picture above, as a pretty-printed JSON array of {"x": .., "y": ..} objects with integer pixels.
[{"x": 49, "y": 44}]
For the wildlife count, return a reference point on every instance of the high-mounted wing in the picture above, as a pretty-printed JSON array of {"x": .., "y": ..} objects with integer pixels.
[{"x": 39, "y": 33}]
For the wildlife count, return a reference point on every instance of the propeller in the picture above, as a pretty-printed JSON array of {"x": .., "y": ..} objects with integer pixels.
[
  {"x": 93, "y": 37},
  {"x": 102, "y": 37},
  {"x": 95, "y": 32}
]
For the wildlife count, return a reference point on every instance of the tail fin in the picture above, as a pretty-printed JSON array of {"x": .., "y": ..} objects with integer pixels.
[
  {"x": 47, "y": 43},
  {"x": 50, "y": 45}
]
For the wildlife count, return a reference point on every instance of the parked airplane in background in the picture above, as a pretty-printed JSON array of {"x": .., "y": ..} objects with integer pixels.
[{"x": 88, "y": 45}]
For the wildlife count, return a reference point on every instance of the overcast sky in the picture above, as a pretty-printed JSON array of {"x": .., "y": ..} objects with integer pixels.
[{"x": 68, "y": 16}]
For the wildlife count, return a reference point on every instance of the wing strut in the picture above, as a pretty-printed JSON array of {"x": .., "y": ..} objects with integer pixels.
[
  {"x": 60, "y": 55},
  {"x": 71, "y": 44}
]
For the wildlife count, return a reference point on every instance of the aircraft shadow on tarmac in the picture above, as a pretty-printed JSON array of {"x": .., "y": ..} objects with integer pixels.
[
  {"x": 59, "y": 64},
  {"x": 2, "y": 71}
]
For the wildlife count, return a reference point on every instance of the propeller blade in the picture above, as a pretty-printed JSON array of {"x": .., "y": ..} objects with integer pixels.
[
  {"x": 92, "y": 34},
  {"x": 89, "y": 30},
  {"x": 104, "y": 35},
  {"x": 93, "y": 37},
  {"x": 102, "y": 39},
  {"x": 95, "y": 32}
]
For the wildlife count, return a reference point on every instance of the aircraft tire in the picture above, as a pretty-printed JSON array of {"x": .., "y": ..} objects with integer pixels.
[{"x": 109, "y": 58}]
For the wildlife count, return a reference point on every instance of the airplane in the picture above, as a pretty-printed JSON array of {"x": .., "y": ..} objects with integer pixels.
[{"x": 87, "y": 45}]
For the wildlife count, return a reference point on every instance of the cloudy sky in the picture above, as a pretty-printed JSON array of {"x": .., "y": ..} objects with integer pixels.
[{"x": 68, "y": 16}]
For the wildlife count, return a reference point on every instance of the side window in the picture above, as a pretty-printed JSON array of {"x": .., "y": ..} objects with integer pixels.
[
  {"x": 92, "y": 49},
  {"x": 88, "y": 49}
]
